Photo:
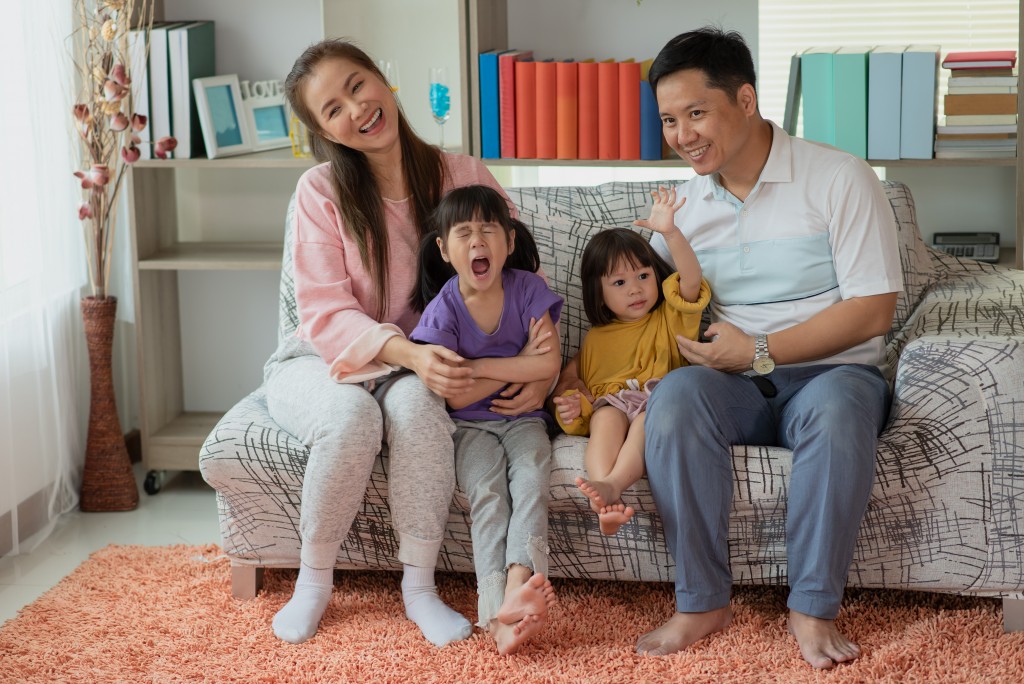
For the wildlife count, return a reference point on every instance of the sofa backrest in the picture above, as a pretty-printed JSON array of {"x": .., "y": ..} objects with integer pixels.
[{"x": 563, "y": 219}]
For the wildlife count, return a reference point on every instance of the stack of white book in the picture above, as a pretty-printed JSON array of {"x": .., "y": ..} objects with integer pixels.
[{"x": 981, "y": 106}]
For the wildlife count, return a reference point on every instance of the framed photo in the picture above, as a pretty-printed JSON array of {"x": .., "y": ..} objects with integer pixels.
[
  {"x": 222, "y": 116},
  {"x": 268, "y": 122}
]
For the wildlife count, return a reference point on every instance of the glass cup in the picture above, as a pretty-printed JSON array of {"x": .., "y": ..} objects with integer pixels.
[{"x": 440, "y": 99}]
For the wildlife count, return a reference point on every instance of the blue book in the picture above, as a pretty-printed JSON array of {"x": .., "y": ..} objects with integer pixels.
[
  {"x": 490, "y": 138},
  {"x": 650, "y": 123},
  {"x": 850, "y": 71},
  {"x": 885, "y": 90},
  {"x": 818, "y": 86},
  {"x": 918, "y": 103}
]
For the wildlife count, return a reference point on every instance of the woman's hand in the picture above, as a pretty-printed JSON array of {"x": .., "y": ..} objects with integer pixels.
[
  {"x": 443, "y": 371},
  {"x": 569, "y": 408},
  {"x": 730, "y": 349}
]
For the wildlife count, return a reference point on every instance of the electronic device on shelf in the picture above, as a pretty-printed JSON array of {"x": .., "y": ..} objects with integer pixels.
[{"x": 980, "y": 246}]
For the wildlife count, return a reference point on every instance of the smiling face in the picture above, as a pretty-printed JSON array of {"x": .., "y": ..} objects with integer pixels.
[
  {"x": 477, "y": 250},
  {"x": 704, "y": 125},
  {"x": 352, "y": 105},
  {"x": 630, "y": 291}
]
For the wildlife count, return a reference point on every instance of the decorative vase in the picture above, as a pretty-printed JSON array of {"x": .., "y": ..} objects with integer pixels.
[{"x": 108, "y": 483}]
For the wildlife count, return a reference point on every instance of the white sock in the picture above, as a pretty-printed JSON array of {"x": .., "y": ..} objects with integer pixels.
[
  {"x": 440, "y": 624},
  {"x": 300, "y": 617}
]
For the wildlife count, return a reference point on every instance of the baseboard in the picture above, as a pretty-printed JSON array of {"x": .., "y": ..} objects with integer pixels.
[{"x": 32, "y": 517}]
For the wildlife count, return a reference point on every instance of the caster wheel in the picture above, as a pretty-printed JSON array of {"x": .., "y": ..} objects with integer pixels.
[{"x": 154, "y": 480}]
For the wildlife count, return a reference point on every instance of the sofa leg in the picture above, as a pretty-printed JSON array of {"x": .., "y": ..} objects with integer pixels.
[
  {"x": 1013, "y": 615},
  {"x": 246, "y": 581}
]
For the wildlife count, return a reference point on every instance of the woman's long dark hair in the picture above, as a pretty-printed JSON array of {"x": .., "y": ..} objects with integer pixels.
[
  {"x": 468, "y": 203},
  {"x": 357, "y": 193}
]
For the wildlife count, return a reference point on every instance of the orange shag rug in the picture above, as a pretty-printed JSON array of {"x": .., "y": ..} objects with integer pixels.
[{"x": 165, "y": 614}]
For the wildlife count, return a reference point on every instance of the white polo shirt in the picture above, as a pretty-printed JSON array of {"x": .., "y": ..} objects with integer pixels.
[{"x": 816, "y": 229}]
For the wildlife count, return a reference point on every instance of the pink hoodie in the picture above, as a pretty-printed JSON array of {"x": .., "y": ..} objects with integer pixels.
[{"x": 334, "y": 292}]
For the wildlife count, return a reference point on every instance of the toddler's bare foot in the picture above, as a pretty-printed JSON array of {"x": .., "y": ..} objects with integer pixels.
[
  {"x": 611, "y": 518},
  {"x": 820, "y": 642},
  {"x": 510, "y": 638},
  {"x": 534, "y": 597},
  {"x": 600, "y": 493},
  {"x": 682, "y": 630}
]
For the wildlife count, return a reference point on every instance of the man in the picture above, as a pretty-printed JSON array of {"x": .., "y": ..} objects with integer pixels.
[{"x": 798, "y": 243}]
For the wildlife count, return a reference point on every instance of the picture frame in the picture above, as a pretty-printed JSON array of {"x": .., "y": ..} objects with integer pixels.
[
  {"x": 222, "y": 116},
  {"x": 268, "y": 119}
]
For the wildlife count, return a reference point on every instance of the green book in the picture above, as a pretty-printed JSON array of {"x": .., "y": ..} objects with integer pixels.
[
  {"x": 850, "y": 74},
  {"x": 818, "y": 86}
]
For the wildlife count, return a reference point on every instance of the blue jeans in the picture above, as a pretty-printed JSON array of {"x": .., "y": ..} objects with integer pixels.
[{"x": 829, "y": 416}]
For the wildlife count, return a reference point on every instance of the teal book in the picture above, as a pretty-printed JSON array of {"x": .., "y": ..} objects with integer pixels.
[
  {"x": 818, "y": 91},
  {"x": 792, "y": 113},
  {"x": 918, "y": 102},
  {"x": 192, "y": 55},
  {"x": 850, "y": 74},
  {"x": 885, "y": 90}
]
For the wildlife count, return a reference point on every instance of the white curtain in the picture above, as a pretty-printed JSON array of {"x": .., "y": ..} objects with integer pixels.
[{"x": 42, "y": 270}]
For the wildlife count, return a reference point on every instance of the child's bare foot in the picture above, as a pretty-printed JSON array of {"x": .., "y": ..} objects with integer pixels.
[
  {"x": 534, "y": 597},
  {"x": 600, "y": 493},
  {"x": 682, "y": 630},
  {"x": 510, "y": 638},
  {"x": 611, "y": 518},
  {"x": 820, "y": 642}
]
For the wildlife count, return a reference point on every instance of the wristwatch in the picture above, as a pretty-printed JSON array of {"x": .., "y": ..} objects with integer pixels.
[{"x": 763, "y": 364}]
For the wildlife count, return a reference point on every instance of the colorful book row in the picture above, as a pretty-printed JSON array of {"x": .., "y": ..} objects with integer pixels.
[{"x": 547, "y": 109}]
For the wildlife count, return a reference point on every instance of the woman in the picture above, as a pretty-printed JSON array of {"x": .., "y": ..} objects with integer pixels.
[{"x": 343, "y": 384}]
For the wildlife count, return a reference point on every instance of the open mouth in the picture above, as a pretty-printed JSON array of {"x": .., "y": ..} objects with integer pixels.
[
  {"x": 481, "y": 266},
  {"x": 698, "y": 153},
  {"x": 372, "y": 123}
]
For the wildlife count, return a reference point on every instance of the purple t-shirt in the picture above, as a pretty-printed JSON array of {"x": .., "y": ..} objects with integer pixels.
[{"x": 447, "y": 322}]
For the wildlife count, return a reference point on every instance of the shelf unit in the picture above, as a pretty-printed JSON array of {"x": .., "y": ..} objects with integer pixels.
[{"x": 171, "y": 435}]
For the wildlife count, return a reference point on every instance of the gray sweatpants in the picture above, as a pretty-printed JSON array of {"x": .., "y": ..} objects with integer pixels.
[
  {"x": 344, "y": 427},
  {"x": 504, "y": 467}
]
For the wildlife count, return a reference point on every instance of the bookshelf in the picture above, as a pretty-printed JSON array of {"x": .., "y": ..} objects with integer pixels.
[{"x": 168, "y": 246}]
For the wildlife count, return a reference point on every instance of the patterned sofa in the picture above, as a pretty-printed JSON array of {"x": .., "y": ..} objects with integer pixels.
[{"x": 946, "y": 513}]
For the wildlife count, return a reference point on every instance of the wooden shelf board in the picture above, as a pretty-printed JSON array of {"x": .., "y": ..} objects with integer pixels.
[
  {"x": 269, "y": 159},
  {"x": 675, "y": 163},
  {"x": 216, "y": 256},
  {"x": 188, "y": 429}
]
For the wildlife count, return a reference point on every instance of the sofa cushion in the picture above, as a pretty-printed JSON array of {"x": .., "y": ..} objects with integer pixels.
[{"x": 919, "y": 268}]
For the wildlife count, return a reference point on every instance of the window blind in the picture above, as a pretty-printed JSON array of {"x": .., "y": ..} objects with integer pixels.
[{"x": 788, "y": 26}]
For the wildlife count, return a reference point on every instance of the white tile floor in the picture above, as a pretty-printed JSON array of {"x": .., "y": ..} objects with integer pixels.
[{"x": 183, "y": 512}]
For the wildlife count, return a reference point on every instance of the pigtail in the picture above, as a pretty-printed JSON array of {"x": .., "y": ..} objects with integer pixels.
[
  {"x": 525, "y": 256},
  {"x": 432, "y": 272}
]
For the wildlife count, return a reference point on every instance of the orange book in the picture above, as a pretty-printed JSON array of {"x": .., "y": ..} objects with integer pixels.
[
  {"x": 587, "y": 110},
  {"x": 546, "y": 115},
  {"x": 981, "y": 103},
  {"x": 629, "y": 110},
  {"x": 566, "y": 108},
  {"x": 526, "y": 109},
  {"x": 507, "y": 99},
  {"x": 608, "y": 110}
]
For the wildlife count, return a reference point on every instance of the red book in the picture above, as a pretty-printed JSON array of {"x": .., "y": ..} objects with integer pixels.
[
  {"x": 980, "y": 59},
  {"x": 507, "y": 99},
  {"x": 587, "y": 109},
  {"x": 546, "y": 115},
  {"x": 629, "y": 110},
  {"x": 608, "y": 110},
  {"x": 526, "y": 109},
  {"x": 566, "y": 108}
]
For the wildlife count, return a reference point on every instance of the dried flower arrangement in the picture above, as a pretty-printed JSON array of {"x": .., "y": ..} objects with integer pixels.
[{"x": 105, "y": 120}]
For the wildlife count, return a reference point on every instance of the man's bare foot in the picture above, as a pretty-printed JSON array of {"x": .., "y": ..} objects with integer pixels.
[
  {"x": 532, "y": 598},
  {"x": 682, "y": 630},
  {"x": 600, "y": 493},
  {"x": 611, "y": 518},
  {"x": 820, "y": 642},
  {"x": 510, "y": 638}
]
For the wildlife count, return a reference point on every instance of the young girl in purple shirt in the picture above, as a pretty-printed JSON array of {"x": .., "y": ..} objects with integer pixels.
[{"x": 499, "y": 315}]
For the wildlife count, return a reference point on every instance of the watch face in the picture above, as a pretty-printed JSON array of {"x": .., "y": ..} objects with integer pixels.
[{"x": 763, "y": 365}]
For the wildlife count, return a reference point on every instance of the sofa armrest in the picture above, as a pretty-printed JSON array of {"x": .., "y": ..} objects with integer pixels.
[{"x": 955, "y": 430}]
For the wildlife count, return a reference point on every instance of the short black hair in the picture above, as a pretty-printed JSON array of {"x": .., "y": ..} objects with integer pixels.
[
  {"x": 468, "y": 203},
  {"x": 723, "y": 57},
  {"x": 602, "y": 253}
]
